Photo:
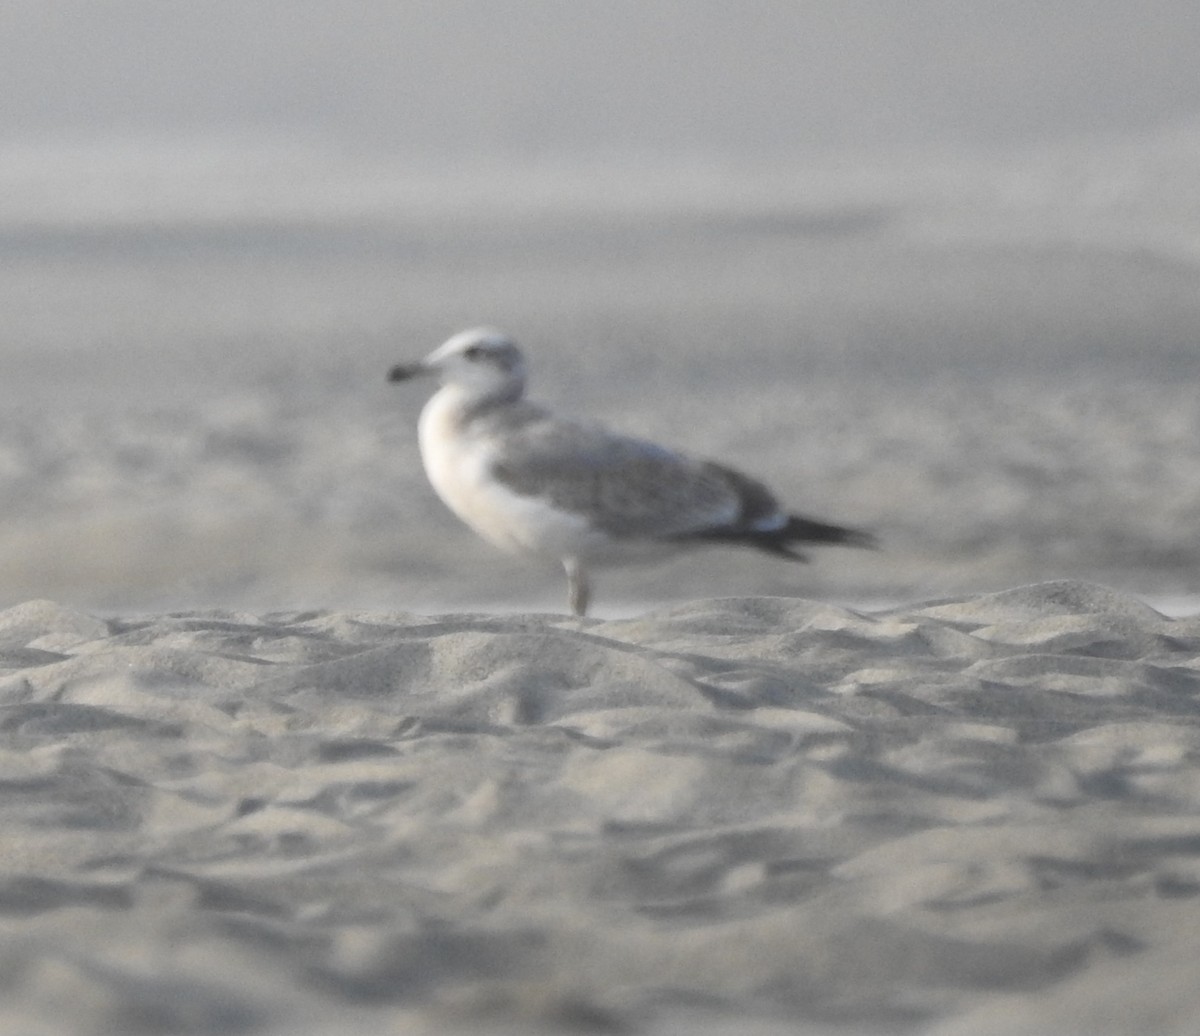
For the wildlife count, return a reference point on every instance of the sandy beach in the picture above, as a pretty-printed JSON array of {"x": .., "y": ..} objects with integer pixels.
[
  {"x": 287, "y": 750},
  {"x": 752, "y": 814}
]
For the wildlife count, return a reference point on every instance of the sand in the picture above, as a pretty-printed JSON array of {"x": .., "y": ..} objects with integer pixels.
[{"x": 737, "y": 815}]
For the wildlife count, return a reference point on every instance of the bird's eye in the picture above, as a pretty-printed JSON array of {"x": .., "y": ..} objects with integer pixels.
[{"x": 473, "y": 352}]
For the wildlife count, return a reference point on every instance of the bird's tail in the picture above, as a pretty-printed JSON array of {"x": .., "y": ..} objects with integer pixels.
[{"x": 784, "y": 540}]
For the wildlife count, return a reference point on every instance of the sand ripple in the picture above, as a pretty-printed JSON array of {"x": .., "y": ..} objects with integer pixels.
[{"x": 752, "y": 815}]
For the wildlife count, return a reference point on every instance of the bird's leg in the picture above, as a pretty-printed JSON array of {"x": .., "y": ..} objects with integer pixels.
[{"x": 578, "y": 590}]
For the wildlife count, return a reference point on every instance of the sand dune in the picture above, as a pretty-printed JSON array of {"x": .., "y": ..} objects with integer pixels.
[{"x": 752, "y": 815}]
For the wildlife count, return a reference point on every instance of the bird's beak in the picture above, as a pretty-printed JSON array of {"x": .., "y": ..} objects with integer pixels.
[{"x": 406, "y": 371}]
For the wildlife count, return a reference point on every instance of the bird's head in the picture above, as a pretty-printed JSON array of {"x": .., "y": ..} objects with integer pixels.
[{"x": 484, "y": 363}]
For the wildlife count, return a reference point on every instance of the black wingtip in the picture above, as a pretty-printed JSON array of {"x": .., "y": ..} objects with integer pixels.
[
  {"x": 784, "y": 541},
  {"x": 805, "y": 530},
  {"x": 861, "y": 539}
]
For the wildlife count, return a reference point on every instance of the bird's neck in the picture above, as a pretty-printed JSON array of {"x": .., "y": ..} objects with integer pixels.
[
  {"x": 454, "y": 407},
  {"x": 465, "y": 402}
]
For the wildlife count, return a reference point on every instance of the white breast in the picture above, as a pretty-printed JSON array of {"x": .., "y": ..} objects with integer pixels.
[{"x": 458, "y": 464}]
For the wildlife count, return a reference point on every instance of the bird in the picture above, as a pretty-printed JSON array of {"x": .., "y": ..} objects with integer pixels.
[{"x": 533, "y": 483}]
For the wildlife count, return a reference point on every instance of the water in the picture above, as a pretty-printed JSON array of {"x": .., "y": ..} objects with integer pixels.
[{"x": 990, "y": 361}]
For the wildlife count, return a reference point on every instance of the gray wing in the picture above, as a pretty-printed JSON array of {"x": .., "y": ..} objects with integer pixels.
[{"x": 627, "y": 487}]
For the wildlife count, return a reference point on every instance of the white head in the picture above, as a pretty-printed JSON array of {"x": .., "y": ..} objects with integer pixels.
[{"x": 482, "y": 363}]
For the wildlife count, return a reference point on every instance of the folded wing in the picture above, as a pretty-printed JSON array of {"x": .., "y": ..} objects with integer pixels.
[{"x": 632, "y": 489}]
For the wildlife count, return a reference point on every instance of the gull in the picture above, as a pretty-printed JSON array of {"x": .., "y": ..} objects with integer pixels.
[{"x": 533, "y": 483}]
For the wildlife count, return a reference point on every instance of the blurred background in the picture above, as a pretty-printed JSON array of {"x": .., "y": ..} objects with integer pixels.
[{"x": 928, "y": 268}]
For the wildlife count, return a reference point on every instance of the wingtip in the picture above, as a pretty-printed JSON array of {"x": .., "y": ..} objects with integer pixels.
[
  {"x": 862, "y": 539},
  {"x": 807, "y": 530}
]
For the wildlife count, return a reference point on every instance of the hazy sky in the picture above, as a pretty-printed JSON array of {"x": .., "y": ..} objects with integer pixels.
[{"x": 435, "y": 79}]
